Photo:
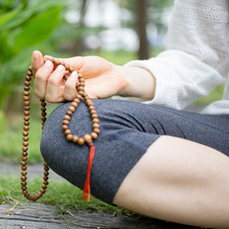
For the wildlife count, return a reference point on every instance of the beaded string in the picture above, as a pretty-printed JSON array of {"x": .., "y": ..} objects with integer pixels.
[{"x": 86, "y": 139}]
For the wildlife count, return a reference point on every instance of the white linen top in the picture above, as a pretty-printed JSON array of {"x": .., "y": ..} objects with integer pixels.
[{"x": 196, "y": 59}]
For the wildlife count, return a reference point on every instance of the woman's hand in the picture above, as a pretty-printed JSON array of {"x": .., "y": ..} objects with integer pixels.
[{"x": 102, "y": 79}]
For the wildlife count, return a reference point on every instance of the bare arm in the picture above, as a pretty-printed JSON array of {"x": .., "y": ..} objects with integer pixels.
[{"x": 103, "y": 79}]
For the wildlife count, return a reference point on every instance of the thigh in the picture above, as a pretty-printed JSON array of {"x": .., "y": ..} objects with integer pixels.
[{"x": 209, "y": 130}]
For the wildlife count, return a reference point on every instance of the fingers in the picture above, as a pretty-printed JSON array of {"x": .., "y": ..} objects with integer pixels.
[
  {"x": 49, "y": 79},
  {"x": 41, "y": 79},
  {"x": 70, "y": 87},
  {"x": 37, "y": 61},
  {"x": 51, "y": 86}
]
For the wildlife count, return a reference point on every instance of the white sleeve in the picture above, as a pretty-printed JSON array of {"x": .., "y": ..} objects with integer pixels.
[{"x": 196, "y": 59}]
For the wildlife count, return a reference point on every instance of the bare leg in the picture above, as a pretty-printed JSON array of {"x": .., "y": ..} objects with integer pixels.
[{"x": 180, "y": 181}]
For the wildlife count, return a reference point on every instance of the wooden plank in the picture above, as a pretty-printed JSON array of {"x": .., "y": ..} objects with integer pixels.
[{"x": 42, "y": 216}]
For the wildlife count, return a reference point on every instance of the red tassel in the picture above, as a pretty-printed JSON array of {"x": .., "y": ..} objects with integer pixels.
[{"x": 87, "y": 190}]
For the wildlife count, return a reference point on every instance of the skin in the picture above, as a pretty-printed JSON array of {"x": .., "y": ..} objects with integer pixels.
[{"x": 176, "y": 180}]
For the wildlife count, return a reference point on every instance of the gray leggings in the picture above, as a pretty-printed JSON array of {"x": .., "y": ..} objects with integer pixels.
[{"x": 127, "y": 130}]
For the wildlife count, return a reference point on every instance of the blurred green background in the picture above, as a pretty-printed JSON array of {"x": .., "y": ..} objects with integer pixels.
[{"x": 118, "y": 30}]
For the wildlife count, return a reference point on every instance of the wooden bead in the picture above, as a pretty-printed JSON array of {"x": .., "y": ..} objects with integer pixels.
[
  {"x": 23, "y": 178},
  {"x": 87, "y": 138},
  {"x": 26, "y": 103},
  {"x": 94, "y": 135},
  {"x": 26, "y": 128},
  {"x": 71, "y": 108},
  {"x": 93, "y": 112},
  {"x": 95, "y": 125},
  {"x": 25, "y": 133},
  {"x": 79, "y": 97},
  {"x": 75, "y": 138},
  {"x": 24, "y": 148},
  {"x": 24, "y": 168},
  {"x": 95, "y": 120},
  {"x": 25, "y": 138},
  {"x": 24, "y": 158},
  {"x": 64, "y": 127},
  {"x": 24, "y": 154},
  {"x": 96, "y": 130},
  {"x": 26, "y": 98},
  {"x": 26, "y": 93},
  {"x": 23, "y": 188},
  {"x": 26, "y": 118},
  {"x": 89, "y": 102},
  {"x": 23, "y": 183},
  {"x": 74, "y": 104},
  {"x": 71, "y": 69},
  {"x": 23, "y": 173},
  {"x": 44, "y": 186},
  {"x": 27, "y": 83},
  {"x": 43, "y": 113},
  {"x": 56, "y": 62},
  {"x": 65, "y": 122},
  {"x": 76, "y": 100},
  {"x": 28, "y": 78},
  {"x": 81, "y": 141},
  {"x": 94, "y": 116},
  {"x": 81, "y": 93},
  {"x": 26, "y": 123},
  {"x": 29, "y": 73},
  {"x": 67, "y": 132},
  {"x": 26, "y": 113},
  {"x": 67, "y": 67},
  {"x": 69, "y": 113},
  {"x": 26, "y": 88},
  {"x": 80, "y": 88},
  {"x": 43, "y": 108},
  {"x": 46, "y": 168},
  {"x": 45, "y": 178},
  {"x": 23, "y": 163},
  {"x": 25, "y": 192},
  {"x": 67, "y": 117},
  {"x": 91, "y": 107},
  {"x": 69, "y": 137}
]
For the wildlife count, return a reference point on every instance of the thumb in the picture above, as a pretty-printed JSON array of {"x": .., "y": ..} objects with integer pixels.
[{"x": 37, "y": 60}]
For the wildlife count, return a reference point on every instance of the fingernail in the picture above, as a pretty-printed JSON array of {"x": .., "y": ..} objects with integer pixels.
[
  {"x": 60, "y": 68},
  {"x": 74, "y": 73},
  {"x": 47, "y": 64}
]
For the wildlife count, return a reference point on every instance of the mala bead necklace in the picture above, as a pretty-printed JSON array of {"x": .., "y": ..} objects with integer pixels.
[{"x": 86, "y": 139}]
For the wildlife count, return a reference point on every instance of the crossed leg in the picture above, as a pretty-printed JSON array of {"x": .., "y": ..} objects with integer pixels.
[{"x": 179, "y": 181}]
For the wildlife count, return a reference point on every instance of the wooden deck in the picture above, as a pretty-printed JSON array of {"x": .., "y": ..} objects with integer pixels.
[{"x": 42, "y": 216}]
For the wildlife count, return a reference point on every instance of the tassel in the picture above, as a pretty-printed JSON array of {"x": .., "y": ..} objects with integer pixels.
[{"x": 87, "y": 190}]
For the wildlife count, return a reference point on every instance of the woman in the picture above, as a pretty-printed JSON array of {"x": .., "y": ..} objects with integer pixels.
[{"x": 152, "y": 158}]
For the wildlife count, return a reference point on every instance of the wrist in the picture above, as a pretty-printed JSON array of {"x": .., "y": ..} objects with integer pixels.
[{"x": 139, "y": 82}]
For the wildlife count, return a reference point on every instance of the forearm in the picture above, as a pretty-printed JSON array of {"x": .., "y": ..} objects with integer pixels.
[{"x": 139, "y": 82}]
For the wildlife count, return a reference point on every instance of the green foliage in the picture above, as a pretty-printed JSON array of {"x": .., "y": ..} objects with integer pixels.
[{"x": 23, "y": 27}]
